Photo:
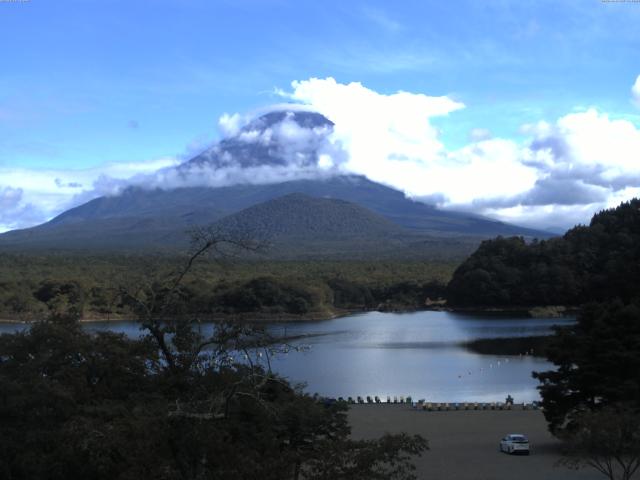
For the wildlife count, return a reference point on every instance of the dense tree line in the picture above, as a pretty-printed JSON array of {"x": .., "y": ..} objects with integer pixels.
[
  {"x": 90, "y": 288},
  {"x": 597, "y": 360},
  {"x": 596, "y": 262}
]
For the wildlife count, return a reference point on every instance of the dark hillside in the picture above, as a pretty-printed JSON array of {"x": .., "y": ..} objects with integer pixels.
[
  {"x": 297, "y": 226},
  {"x": 595, "y": 262},
  {"x": 300, "y": 215}
]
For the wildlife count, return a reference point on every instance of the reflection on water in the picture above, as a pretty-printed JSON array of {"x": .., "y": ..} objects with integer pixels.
[{"x": 417, "y": 354}]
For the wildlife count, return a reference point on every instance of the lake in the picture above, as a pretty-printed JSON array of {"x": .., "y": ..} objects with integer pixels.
[{"x": 417, "y": 354}]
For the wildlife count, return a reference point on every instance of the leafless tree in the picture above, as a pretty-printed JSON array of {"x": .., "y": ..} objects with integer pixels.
[{"x": 181, "y": 342}]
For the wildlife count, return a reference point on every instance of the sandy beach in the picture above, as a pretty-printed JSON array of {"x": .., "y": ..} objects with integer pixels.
[{"x": 464, "y": 444}]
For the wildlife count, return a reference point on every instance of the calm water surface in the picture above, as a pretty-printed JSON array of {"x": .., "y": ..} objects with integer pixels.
[{"x": 418, "y": 354}]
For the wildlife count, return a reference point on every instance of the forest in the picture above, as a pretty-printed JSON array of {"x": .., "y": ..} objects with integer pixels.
[
  {"x": 589, "y": 263},
  {"x": 34, "y": 286}
]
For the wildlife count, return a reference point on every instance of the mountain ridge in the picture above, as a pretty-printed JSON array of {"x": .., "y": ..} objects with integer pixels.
[{"x": 141, "y": 218}]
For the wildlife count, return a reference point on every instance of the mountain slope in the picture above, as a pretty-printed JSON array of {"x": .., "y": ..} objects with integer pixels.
[
  {"x": 156, "y": 219},
  {"x": 299, "y": 215},
  {"x": 297, "y": 226},
  {"x": 300, "y": 226},
  {"x": 205, "y": 205},
  {"x": 294, "y": 226}
]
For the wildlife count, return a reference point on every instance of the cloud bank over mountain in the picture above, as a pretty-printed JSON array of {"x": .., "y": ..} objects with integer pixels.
[
  {"x": 32, "y": 196},
  {"x": 561, "y": 172}
]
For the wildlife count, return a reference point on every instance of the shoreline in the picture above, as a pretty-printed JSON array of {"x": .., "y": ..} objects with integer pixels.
[
  {"x": 549, "y": 311},
  {"x": 532, "y": 311},
  {"x": 244, "y": 317},
  {"x": 534, "y": 345}
]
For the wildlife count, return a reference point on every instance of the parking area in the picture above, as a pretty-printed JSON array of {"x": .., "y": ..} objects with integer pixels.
[{"x": 465, "y": 444}]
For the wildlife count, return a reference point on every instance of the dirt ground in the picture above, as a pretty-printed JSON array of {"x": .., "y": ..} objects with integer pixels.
[{"x": 464, "y": 444}]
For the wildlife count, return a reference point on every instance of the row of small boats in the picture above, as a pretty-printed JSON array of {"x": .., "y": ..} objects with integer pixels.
[
  {"x": 422, "y": 404},
  {"x": 375, "y": 399},
  {"x": 433, "y": 406}
]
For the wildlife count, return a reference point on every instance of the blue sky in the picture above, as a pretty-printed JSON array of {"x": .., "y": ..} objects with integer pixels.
[{"x": 88, "y": 83}]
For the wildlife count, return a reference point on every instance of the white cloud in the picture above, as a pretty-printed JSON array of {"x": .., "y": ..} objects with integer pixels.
[
  {"x": 623, "y": 195},
  {"x": 594, "y": 152},
  {"x": 13, "y": 210},
  {"x": 594, "y": 139},
  {"x": 589, "y": 147},
  {"x": 582, "y": 163},
  {"x": 10, "y": 198},
  {"x": 36, "y": 195},
  {"x": 230, "y": 124},
  {"x": 555, "y": 218},
  {"x": 565, "y": 170},
  {"x": 383, "y": 134},
  {"x": 390, "y": 139}
]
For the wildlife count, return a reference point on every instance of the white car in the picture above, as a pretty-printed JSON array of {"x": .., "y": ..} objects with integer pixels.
[{"x": 515, "y": 443}]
